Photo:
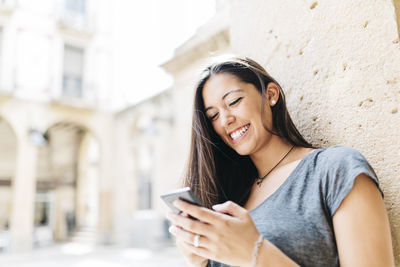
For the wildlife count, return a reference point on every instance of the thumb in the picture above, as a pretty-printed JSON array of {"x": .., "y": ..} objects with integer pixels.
[{"x": 230, "y": 208}]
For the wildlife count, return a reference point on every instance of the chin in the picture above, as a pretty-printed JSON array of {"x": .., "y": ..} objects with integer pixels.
[{"x": 242, "y": 152}]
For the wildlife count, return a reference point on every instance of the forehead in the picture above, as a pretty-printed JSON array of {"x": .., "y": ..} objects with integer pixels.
[{"x": 218, "y": 85}]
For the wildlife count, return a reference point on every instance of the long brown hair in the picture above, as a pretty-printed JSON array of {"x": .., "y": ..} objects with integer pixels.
[{"x": 215, "y": 172}]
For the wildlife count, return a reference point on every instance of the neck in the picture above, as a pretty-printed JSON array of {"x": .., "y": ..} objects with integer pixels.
[{"x": 267, "y": 157}]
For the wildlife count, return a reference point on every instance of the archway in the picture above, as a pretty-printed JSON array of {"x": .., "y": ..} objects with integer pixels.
[
  {"x": 67, "y": 184},
  {"x": 8, "y": 151}
]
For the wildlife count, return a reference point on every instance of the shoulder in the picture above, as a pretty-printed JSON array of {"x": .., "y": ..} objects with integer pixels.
[
  {"x": 341, "y": 156},
  {"x": 342, "y": 165},
  {"x": 334, "y": 152},
  {"x": 337, "y": 165}
]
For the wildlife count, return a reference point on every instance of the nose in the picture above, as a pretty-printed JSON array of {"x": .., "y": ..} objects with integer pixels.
[{"x": 227, "y": 118}]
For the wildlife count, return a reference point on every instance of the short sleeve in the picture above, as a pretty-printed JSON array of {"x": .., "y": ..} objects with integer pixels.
[{"x": 344, "y": 164}]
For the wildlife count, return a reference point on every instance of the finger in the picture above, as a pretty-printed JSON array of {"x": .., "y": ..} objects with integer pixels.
[
  {"x": 200, "y": 251},
  {"x": 190, "y": 225},
  {"x": 231, "y": 208},
  {"x": 181, "y": 234},
  {"x": 189, "y": 255},
  {"x": 201, "y": 213},
  {"x": 187, "y": 237}
]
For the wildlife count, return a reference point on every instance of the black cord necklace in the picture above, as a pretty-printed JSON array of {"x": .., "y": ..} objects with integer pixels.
[{"x": 261, "y": 179}]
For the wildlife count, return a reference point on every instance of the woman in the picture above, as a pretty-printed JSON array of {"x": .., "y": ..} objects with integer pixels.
[{"x": 271, "y": 198}]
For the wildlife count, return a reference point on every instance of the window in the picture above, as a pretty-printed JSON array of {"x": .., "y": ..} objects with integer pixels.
[
  {"x": 145, "y": 190},
  {"x": 144, "y": 159},
  {"x": 75, "y": 6},
  {"x": 72, "y": 71}
]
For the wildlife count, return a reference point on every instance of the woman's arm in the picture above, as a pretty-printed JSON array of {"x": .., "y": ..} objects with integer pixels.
[{"x": 362, "y": 228}]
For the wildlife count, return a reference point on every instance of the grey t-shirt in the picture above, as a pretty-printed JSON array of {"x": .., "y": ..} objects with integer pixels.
[{"x": 297, "y": 217}]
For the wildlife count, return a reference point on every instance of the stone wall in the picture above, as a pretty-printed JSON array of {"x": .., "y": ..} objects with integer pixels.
[{"x": 339, "y": 65}]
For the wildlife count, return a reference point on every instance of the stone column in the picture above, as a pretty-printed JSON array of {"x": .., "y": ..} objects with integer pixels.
[
  {"x": 23, "y": 202},
  {"x": 107, "y": 181}
]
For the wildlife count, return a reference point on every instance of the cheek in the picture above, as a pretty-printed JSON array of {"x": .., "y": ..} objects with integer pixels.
[
  {"x": 218, "y": 129},
  {"x": 250, "y": 113},
  {"x": 222, "y": 134}
]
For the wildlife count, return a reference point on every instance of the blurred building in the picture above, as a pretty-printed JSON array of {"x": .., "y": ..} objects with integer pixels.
[
  {"x": 55, "y": 137},
  {"x": 70, "y": 169}
]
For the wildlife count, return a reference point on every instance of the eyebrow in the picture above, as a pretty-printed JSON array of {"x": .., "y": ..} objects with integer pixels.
[{"x": 225, "y": 95}]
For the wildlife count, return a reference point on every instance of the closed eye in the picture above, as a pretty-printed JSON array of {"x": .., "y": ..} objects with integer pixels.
[
  {"x": 235, "y": 101},
  {"x": 211, "y": 118}
]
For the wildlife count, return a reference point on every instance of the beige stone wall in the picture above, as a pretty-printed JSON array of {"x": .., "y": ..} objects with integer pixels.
[{"x": 339, "y": 64}]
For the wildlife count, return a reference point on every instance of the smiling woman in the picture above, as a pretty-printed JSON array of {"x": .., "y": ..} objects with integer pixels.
[
  {"x": 270, "y": 197},
  {"x": 230, "y": 97}
]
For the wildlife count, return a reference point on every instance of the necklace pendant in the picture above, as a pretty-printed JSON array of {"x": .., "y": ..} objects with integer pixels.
[{"x": 261, "y": 179}]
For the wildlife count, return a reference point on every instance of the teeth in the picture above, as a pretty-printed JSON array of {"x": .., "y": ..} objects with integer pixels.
[{"x": 239, "y": 133}]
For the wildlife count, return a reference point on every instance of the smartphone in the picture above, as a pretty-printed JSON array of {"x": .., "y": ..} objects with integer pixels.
[{"x": 184, "y": 194}]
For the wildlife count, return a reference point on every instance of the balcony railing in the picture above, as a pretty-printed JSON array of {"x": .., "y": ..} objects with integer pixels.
[
  {"x": 83, "y": 96},
  {"x": 72, "y": 87}
]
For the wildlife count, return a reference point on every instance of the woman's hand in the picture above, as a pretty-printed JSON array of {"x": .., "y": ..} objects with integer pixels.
[
  {"x": 227, "y": 234},
  {"x": 191, "y": 258}
]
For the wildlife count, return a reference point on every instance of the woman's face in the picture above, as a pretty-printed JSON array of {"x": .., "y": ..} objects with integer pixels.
[{"x": 233, "y": 107}]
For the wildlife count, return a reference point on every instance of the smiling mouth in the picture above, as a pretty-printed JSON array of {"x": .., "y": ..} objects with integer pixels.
[{"x": 236, "y": 135}]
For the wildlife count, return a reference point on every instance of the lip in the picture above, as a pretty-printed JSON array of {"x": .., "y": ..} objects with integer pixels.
[
  {"x": 240, "y": 138},
  {"x": 240, "y": 127}
]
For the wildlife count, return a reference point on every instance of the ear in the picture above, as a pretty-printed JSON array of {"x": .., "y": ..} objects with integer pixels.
[{"x": 272, "y": 93}]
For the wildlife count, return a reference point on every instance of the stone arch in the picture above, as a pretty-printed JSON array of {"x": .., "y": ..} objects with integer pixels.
[
  {"x": 8, "y": 154},
  {"x": 59, "y": 121},
  {"x": 67, "y": 181},
  {"x": 8, "y": 140}
]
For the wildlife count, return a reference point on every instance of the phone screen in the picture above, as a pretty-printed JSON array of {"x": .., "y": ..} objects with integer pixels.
[{"x": 184, "y": 194}]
